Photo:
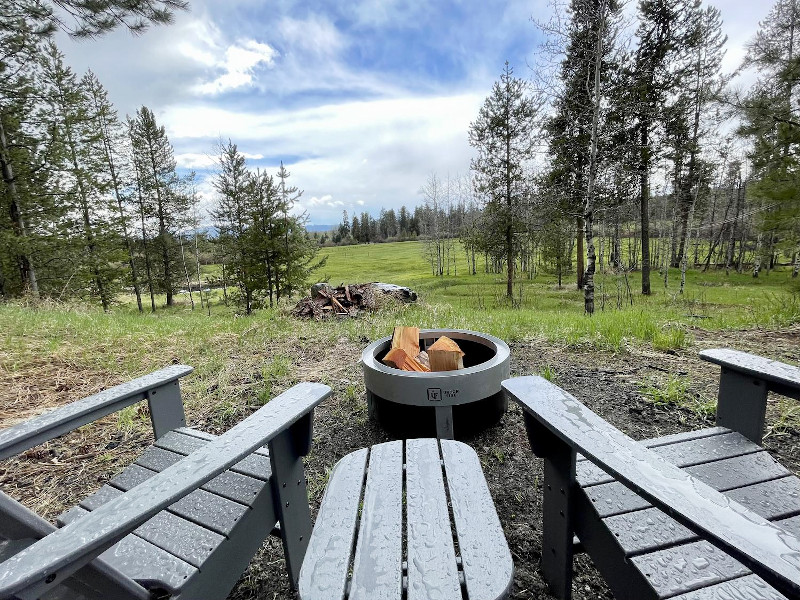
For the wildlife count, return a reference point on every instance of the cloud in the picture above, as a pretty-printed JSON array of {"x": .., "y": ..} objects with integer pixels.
[
  {"x": 360, "y": 154},
  {"x": 195, "y": 160},
  {"x": 238, "y": 66}
]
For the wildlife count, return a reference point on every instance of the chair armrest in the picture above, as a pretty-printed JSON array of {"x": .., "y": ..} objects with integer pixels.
[
  {"x": 61, "y": 553},
  {"x": 768, "y": 550},
  {"x": 779, "y": 377},
  {"x": 57, "y": 422}
]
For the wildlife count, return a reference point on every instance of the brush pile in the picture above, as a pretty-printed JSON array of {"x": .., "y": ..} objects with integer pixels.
[
  {"x": 326, "y": 301},
  {"x": 348, "y": 300}
]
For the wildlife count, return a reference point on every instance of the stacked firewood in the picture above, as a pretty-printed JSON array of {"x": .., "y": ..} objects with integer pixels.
[{"x": 405, "y": 354}]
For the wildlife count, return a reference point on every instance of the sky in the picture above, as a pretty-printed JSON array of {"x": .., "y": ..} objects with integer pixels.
[{"x": 362, "y": 100}]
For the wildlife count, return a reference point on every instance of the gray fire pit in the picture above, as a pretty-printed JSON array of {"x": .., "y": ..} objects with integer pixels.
[{"x": 410, "y": 404}]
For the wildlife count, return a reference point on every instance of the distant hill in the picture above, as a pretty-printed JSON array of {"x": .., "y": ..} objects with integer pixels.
[
  {"x": 209, "y": 230},
  {"x": 313, "y": 228}
]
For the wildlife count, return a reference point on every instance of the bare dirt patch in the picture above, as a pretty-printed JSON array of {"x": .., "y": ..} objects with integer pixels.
[{"x": 52, "y": 477}]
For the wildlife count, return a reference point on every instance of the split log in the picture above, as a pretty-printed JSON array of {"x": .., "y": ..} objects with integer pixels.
[
  {"x": 406, "y": 338},
  {"x": 398, "y": 359},
  {"x": 445, "y": 355},
  {"x": 422, "y": 358}
]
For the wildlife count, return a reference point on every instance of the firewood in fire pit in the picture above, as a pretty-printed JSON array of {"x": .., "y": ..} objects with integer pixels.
[
  {"x": 406, "y": 338},
  {"x": 399, "y": 359},
  {"x": 445, "y": 355}
]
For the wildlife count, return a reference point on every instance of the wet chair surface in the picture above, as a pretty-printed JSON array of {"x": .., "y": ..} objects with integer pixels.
[{"x": 385, "y": 527}]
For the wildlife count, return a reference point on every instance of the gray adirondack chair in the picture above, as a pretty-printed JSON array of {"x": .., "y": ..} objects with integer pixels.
[
  {"x": 184, "y": 521},
  {"x": 702, "y": 515}
]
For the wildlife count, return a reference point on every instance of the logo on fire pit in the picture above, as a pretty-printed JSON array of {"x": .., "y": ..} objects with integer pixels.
[{"x": 434, "y": 394}]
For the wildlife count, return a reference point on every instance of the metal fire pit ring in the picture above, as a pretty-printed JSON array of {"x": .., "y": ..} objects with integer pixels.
[{"x": 411, "y": 404}]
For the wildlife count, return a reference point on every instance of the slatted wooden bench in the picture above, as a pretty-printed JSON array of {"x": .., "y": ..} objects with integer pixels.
[
  {"x": 184, "y": 520},
  {"x": 696, "y": 516},
  {"x": 358, "y": 549}
]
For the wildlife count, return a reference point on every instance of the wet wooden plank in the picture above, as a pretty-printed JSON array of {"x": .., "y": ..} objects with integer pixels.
[
  {"x": 377, "y": 567},
  {"x": 146, "y": 563},
  {"x": 684, "y": 568},
  {"x": 683, "y": 453},
  {"x": 204, "y": 508},
  {"x": 776, "y": 499},
  {"x": 188, "y": 541},
  {"x": 749, "y": 587},
  {"x": 158, "y": 459},
  {"x": 233, "y": 486},
  {"x": 737, "y": 472},
  {"x": 204, "y": 435},
  {"x": 432, "y": 570},
  {"x": 650, "y": 529},
  {"x": 485, "y": 557},
  {"x": 324, "y": 571},
  {"x": 769, "y": 551}
]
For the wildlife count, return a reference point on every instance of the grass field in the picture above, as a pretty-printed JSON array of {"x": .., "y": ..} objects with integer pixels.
[
  {"x": 640, "y": 356},
  {"x": 127, "y": 343}
]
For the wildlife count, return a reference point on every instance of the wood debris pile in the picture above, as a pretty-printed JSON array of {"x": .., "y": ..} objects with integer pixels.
[
  {"x": 405, "y": 354},
  {"x": 345, "y": 301}
]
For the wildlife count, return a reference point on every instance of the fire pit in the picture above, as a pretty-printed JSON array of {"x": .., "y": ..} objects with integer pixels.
[{"x": 413, "y": 404}]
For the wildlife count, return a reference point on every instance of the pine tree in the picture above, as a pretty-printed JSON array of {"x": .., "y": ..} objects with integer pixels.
[
  {"x": 84, "y": 181},
  {"x": 661, "y": 34},
  {"x": 89, "y": 19},
  {"x": 234, "y": 187},
  {"x": 770, "y": 119},
  {"x": 503, "y": 136},
  {"x": 18, "y": 153},
  {"x": 112, "y": 146},
  {"x": 162, "y": 199}
]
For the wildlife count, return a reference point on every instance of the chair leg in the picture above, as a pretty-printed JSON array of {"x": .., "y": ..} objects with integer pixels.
[
  {"x": 557, "y": 530},
  {"x": 557, "y": 526},
  {"x": 291, "y": 500}
]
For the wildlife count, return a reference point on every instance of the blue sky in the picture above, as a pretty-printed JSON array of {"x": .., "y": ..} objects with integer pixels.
[{"x": 361, "y": 99}]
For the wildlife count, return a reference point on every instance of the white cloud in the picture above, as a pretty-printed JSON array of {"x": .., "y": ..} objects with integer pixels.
[
  {"x": 196, "y": 160},
  {"x": 238, "y": 66},
  {"x": 364, "y": 154},
  {"x": 193, "y": 160}
]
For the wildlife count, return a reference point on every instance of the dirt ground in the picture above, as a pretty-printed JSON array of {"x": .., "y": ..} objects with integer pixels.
[{"x": 52, "y": 477}]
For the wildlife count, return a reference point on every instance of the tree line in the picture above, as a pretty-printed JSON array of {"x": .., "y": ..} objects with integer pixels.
[
  {"x": 94, "y": 205},
  {"x": 634, "y": 143}
]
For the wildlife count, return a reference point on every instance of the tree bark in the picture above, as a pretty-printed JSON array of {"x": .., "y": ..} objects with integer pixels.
[
  {"x": 588, "y": 212},
  {"x": 644, "y": 193},
  {"x": 28, "y": 272}
]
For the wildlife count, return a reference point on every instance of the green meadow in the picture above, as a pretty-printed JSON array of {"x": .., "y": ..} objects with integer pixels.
[{"x": 667, "y": 320}]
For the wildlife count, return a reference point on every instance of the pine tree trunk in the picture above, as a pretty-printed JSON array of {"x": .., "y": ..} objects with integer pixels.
[
  {"x": 588, "y": 211},
  {"x": 148, "y": 270},
  {"x": 162, "y": 229},
  {"x": 28, "y": 272},
  {"x": 644, "y": 194},
  {"x": 579, "y": 238},
  {"x": 186, "y": 271},
  {"x": 757, "y": 257}
]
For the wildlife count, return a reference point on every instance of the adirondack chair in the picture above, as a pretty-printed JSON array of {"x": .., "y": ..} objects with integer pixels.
[
  {"x": 705, "y": 515},
  {"x": 184, "y": 521}
]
